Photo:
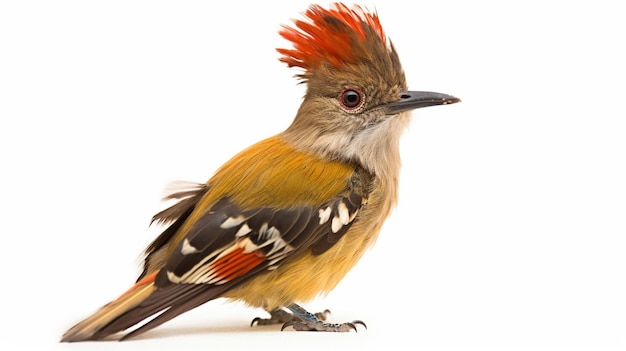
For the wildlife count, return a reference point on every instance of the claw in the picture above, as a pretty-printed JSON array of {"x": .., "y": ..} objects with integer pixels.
[
  {"x": 256, "y": 320},
  {"x": 287, "y": 324},
  {"x": 359, "y": 322}
]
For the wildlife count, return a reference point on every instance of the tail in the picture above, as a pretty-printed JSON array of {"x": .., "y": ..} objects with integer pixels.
[{"x": 90, "y": 328}]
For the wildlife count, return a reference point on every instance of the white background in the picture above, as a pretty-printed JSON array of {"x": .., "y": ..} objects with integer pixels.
[{"x": 510, "y": 232}]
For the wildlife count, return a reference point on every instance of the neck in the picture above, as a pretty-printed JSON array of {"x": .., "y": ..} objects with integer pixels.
[{"x": 375, "y": 148}]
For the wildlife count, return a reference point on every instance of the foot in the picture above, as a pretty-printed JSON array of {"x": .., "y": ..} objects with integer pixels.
[
  {"x": 321, "y": 326},
  {"x": 280, "y": 316},
  {"x": 311, "y": 322}
]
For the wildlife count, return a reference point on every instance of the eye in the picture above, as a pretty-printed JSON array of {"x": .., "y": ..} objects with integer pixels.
[{"x": 351, "y": 99}]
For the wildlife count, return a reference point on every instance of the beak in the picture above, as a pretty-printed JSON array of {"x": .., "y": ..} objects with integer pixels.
[{"x": 410, "y": 100}]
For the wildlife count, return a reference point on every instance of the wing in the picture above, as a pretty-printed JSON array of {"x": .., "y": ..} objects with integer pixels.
[
  {"x": 228, "y": 246},
  {"x": 259, "y": 238}
]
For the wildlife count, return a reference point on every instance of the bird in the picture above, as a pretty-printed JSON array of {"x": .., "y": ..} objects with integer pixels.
[{"x": 285, "y": 219}]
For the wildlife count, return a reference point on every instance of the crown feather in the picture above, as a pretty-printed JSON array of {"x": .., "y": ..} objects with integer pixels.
[{"x": 336, "y": 36}]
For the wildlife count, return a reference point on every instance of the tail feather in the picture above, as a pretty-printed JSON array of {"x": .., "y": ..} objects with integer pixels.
[
  {"x": 159, "y": 301},
  {"x": 195, "y": 295},
  {"x": 89, "y": 328},
  {"x": 142, "y": 301}
]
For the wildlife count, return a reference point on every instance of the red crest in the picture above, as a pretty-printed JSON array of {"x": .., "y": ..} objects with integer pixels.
[{"x": 336, "y": 36}]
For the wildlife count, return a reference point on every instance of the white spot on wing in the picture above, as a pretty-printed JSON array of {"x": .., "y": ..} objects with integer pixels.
[
  {"x": 231, "y": 222},
  {"x": 336, "y": 224},
  {"x": 272, "y": 237},
  {"x": 187, "y": 248},
  {"x": 325, "y": 215},
  {"x": 173, "y": 277},
  {"x": 344, "y": 214},
  {"x": 243, "y": 230}
]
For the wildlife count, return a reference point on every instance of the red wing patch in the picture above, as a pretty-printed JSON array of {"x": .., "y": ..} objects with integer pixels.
[
  {"x": 223, "y": 265},
  {"x": 236, "y": 263}
]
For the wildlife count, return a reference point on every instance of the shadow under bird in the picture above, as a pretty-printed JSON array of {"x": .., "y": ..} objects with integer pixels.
[{"x": 284, "y": 220}]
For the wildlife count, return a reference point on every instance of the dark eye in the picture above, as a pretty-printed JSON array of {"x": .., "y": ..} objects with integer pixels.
[{"x": 351, "y": 99}]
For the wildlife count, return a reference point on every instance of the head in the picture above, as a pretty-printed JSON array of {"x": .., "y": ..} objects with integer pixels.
[{"x": 357, "y": 104}]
